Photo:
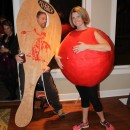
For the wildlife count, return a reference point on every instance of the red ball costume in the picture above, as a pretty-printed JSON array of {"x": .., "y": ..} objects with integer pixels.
[{"x": 89, "y": 67}]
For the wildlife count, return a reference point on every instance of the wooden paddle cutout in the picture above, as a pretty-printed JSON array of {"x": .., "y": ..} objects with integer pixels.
[{"x": 39, "y": 46}]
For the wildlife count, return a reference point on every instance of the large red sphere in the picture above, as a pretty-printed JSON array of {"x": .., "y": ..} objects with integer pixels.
[{"x": 87, "y": 68}]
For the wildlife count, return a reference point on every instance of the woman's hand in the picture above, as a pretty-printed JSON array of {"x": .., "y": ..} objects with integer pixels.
[
  {"x": 81, "y": 47},
  {"x": 19, "y": 59},
  {"x": 102, "y": 45},
  {"x": 57, "y": 58}
]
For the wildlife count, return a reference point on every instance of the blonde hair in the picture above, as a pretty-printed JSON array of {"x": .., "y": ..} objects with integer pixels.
[{"x": 82, "y": 12}]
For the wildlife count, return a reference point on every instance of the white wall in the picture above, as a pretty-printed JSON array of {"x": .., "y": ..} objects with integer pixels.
[{"x": 16, "y": 7}]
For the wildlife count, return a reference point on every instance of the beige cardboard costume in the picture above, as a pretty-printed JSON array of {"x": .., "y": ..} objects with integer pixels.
[{"x": 39, "y": 46}]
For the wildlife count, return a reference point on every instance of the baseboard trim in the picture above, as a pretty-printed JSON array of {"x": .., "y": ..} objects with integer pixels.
[
  {"x": 69, "y": 97},
  {"x": 124, "y": 69},
  {"x": 103, "y": 94}
]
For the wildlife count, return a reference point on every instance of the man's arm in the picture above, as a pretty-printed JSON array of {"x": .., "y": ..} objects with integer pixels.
[
  {"x": 15, "y": 48},
  {"x": 53, "y": 64}
]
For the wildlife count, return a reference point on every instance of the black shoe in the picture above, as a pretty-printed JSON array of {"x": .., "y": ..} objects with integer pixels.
[
  {"x": 60, "y": 113},
  {"x": 44, "y": 104}
]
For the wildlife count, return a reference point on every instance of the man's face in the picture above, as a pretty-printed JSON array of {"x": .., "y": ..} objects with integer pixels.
[{"x": 42, "y": 19}]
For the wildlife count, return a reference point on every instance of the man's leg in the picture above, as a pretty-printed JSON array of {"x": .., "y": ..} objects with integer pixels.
[
  {"x": 21, "y": 80},
  {"x": 51, "y": 91}
]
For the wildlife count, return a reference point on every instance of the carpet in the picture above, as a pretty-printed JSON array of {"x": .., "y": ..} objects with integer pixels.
[{"x": 4, "y": 118}]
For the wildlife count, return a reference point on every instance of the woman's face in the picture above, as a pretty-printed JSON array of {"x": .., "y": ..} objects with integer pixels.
[
  {"x": 77, "y": 20},
  {"x": 7, "y": 30}
]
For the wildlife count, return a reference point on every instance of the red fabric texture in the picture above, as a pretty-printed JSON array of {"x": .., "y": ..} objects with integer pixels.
[{"x": 87, "y": 68}]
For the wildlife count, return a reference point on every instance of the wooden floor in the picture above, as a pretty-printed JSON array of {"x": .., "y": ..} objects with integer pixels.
[{"x": 115, "y": 112}]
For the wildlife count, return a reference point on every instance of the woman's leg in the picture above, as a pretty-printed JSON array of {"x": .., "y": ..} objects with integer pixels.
[
  {"x": 101, "y": 116},
  {"x": 85, "y": 114},
  {"x": 85, "y": 107},
  {"x": 84, "y": 102},
  {"x": 93, "y": 94}
]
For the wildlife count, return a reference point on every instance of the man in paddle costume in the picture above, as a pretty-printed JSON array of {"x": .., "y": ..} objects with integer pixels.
[{"x": 50, "y": 87}]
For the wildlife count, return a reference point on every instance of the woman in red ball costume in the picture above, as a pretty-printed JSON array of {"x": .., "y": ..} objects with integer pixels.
[{"x": 79, "y": 19}]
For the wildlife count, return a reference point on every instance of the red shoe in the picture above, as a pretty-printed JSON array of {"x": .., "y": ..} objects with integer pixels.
[
  {"x": 107, "y": 125},
  {"x": 81, "y": 126}
]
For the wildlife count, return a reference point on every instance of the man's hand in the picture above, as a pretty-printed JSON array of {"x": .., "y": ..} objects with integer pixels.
[
  {"x": 46, "y": 69},
  {"x": 19, "y": 59},
  {"x": 3, "y": 50}
]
